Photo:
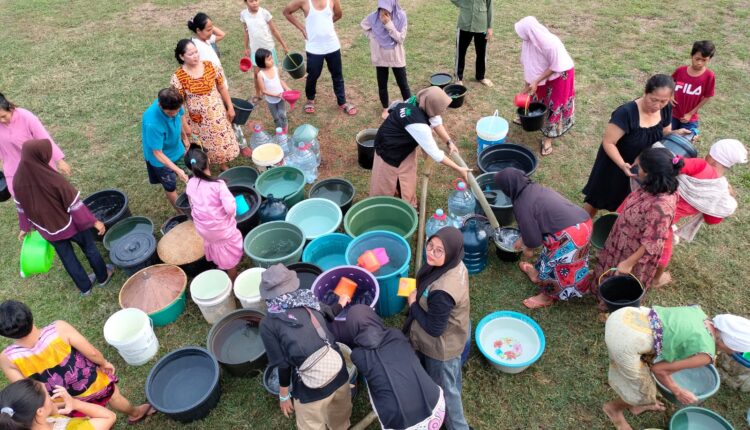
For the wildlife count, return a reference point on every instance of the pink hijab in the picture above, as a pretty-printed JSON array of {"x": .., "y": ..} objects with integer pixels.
[{"x": 541, "y": 50}]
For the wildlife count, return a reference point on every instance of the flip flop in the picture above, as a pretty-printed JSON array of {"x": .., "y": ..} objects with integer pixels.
[
  {"x": 349, "y": 109},
  {"x": 309, "y": 107},
  {"x": 148, "y": 413},
  {"x": 545, "y": 151},
  {"x": 110, "y": 273},
  {"x": 533, "y": 303},
  {"x": 517, "y": 121}
]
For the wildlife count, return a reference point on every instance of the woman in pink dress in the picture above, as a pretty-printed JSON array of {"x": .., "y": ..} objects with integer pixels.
[
  {"x": 18, "y": 125},
  {"x": 213, "y": 210}
]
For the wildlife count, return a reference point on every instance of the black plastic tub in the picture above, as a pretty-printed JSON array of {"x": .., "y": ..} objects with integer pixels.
[
  {"x": 242, "y": 110},
  {"x": 306, "y": 272},
  {"x": 441, "y": 79},
  {"x": 133, "y": 252},
  {"x": 240, "y": 175},
  {"x": 337, "y": 190},
  {"x": 366, "y": 147},
  {"x": 108, "y": 206},
  {"x": 236, "y": 344},
  {"x": 505, "y": 251},
  {"x": 171, "y": 222},
  {"x": 501, "y": 204},
  {"x": 621, "y": 291},
  {"x": 4, "y": 192},
  {"x": 184, "y": 384},
  {"x": 532, "y": 119},
  {"x": 197, "y": 267},
  {"x": 249, "y": 219},
  {"x": 457, "y": 93},
  {"x": 498, "y": 157},
  {"x": 183, "y": 204}
]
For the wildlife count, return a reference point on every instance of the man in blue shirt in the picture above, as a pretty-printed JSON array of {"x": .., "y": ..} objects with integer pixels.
[{"x": 165, "y": 132}]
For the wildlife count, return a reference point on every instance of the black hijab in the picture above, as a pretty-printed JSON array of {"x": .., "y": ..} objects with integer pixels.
[{"x": 401, "y": 391}]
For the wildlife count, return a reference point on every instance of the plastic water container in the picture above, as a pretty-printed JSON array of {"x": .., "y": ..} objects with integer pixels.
[
  {"x": 282, "y": 140},
  {"x": 437, "y": 221},
  {"x": 307, "y": 134},
  {"x": 476, "y": 243},
  {"x": 212, "y": 292},
  {"x": 491, "y": 130},
  {"x": 247, "y": 289},
  {"x": 259, "y": 137},
  {"x": 461, "y": 203},
  {"x": 303, "y": 158},
  {"x": 131, "y": 332}
]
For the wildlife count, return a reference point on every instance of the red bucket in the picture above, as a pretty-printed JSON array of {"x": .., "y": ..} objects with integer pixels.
[{"x": 522, "y": 100}]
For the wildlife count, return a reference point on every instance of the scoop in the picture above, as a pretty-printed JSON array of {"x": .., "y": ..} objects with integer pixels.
[{"x": 245, "y": 64}]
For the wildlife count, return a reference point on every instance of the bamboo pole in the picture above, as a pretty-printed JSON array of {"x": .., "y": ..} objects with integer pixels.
[
  {"x": 362, "y": 425},
  {"x": 478, "y": 193},
  {"x": 429, "y": 163}
]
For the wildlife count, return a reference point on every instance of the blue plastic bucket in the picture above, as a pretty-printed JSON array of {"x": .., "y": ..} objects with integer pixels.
[
  {"x": 399, "y": 254},
  {"x": 481, "y": 143},
  {"x": 491, "y": 130},
  {"x": 327, "y": 251}
]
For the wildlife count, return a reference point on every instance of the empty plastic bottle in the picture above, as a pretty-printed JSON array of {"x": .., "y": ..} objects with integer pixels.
[
  {"x": 282, "y": 140},
  {"x": 436, "y": 222},
  {"x": 304, "y": 159},
  {"x": 259, "y": 136},
  {"x": 460, "y": 204}
]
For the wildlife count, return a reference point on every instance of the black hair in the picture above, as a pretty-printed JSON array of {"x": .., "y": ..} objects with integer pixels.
[
  {"x": 661, "y": 168},
  {"x": 5, "y": 104},
  {"x": 260, "y": 57},
  {"x": 16, "y": 320},
  {"x": 659, "y": 81},
  {"x": 181, "y": 48},
  {"x": 170, "y": 98},
  {"x": 22, "y": 398},
  {"x": 198, "y": 22},
  {"x": 705, "y": 47},
  {"x": 197, "y": 161}
]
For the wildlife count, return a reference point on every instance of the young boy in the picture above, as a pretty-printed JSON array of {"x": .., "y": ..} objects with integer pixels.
[{"x": 694, "y": 87}]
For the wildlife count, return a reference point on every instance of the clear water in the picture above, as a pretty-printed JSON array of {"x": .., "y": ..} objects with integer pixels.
[
  {"x": 330, "y": 261},
  {"x": 315, "y": 225},
  {"x": 336, "y": 196},
  {"x": 280, "y": 189},
  {"x": 698, "y": 421},
  {"x": 278, "y": 249},
  {"x": 368, "y": 143},
  {"x": 238, "y": 342},
  {"x": 498, "y": 165},
  {"x": 461, "y": 203},
  {"x": 507, "y": 237}
]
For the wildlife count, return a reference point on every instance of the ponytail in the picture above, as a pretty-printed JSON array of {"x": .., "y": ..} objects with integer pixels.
[
  {"x": 198, "y": 22},
  {"x": 197, "y": 161},
  {"x": 661, "y": 168},
  {"x": 19, "y": 402}
]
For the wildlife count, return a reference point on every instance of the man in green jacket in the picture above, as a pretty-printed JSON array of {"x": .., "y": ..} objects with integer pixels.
[{"x": 474, "y": 22}]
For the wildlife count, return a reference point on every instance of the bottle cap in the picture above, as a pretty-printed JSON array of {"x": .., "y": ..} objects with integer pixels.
[
  {"x": 461, "y": 186},
  {"x": 257, "y": 128},
  {"x": 279, "y": 130}
]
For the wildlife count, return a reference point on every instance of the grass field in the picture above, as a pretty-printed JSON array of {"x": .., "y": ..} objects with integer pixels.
[{"x": 88, "y": 69}]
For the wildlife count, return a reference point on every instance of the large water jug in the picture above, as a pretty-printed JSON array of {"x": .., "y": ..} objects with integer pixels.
[
  {"x": 303, "y": 158},
  {"x": 259, "y": 136},
  {"x": 436, "y": 222},
  {"x": 475, "y": 246},
  {"x": 272, "y": 209},
  {"x": 460, "y": 204},
  {"x": 308, "y": 134},
  {"x": 282, "y": 140}
]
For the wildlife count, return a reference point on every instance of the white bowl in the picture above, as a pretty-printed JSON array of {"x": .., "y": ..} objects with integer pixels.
[{"x": 510, "y": 341}]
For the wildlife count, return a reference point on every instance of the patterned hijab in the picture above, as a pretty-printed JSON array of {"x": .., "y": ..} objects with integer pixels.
[{"x": 295, "y": 299}]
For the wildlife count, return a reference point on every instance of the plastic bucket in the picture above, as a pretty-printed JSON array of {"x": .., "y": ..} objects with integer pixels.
[
  {"x": 368, "y": 290},
  {"x": 532, "y": 119},
  {"x": 498, "y": 157},
  {"x": 602, "y": 227},
  {"x": 307, "y": 273},
  {"x": 171, "y": 222},
  {"x": 126, "y": 226},
  {"x": 249, "y": 219},
  {"x": 108, "y": 206},
  {"x": 294, "y": 64},
  {"x": 183, "y": 204},
  {"x": 366, "y": 147},
  {"x": 131, "y": 332},
  {"x": 680, "y": 146},
  {"x": 240, "y": 175},
  {"x": 501, "y": 205},
  {"x": 337, "y": 190},
  {"x": 381, "y": 213},
  {"x": 620, "y": 291},
  {"x": 236, "y": 343},
  {"x": 287, "y": 182},
  {"x": 212, "y": 292},
  {"x": 441, "y": 79},
  {"x": 247, "y": 289},
  {"x": 315, "y": 217},
  {"x": 327, "y": 251},
  {"x": 274, "y": 242},
  {"x": 492, "y": 128},
  {"x": 36, "y": 255},
  {"x": 268, "y": 155},
  {"x": 4, "y": 192},
  {"x": 457, "y": 93},
  {"x": 165, "y": 287},
  {"x": 242, "y": 110},
  {"x": 388, "y": 276}
]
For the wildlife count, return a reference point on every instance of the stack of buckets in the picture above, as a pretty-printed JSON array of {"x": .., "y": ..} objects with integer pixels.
[{"x": 491, "y": 130}]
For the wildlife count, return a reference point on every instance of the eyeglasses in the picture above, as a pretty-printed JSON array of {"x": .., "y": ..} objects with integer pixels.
[{"x": 434, "y": 250}]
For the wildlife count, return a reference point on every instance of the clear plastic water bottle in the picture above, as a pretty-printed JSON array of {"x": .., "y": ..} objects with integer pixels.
[
  {"x": 315, "y": 145},
  {"x": 437, "y": 221},
  {"x": 304, "y": 159},
  {"x": 259, "y": 136},
  {"x": 282, "y": 140},
  {"x": 460, "y": 204}
]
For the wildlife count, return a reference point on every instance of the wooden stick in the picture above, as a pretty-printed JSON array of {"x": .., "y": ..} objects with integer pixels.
[
  {"x": 478, "y": 193},
  {"x": 362, "y": 425},
  {"x": 426, "y": 173}
]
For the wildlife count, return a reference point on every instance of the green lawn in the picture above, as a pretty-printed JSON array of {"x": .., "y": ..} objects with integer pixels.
[{"x": 88, "y": 69}]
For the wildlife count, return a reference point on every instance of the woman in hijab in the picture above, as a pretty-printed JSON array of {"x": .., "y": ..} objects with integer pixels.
[
  {"x": 291, "y": 336},
  {"x": 402, "y": 394},
  {"x": 647, "y": 343},
  {"x": 562, "y": 229},
  {"x": 46, "y": 202},
  {"x": 438, "y": 320},
  {"x": 408, "y": 126},
  {"x": 386, "y": 30},
  {"x": 549, "y": 77}
]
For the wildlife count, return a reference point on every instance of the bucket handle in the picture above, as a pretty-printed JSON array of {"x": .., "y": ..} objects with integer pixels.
[
  {"x": 614, "y": 269},
  {"x": 496, "y": 113}
]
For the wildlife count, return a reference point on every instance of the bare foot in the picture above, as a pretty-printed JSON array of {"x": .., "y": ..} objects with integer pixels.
[
  {"x": 538, "y": 301},
  {"x": 529, "y": 270},
  {"x": 614, "y": 413},
  {"x": 663, "y": 280},
  {"x": 637, "y": 410},
  {"x": 143, "y": 411}
]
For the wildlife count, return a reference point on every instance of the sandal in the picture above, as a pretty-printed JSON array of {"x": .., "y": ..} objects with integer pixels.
[
  {"x": 110, "y": 273},
  {"x": 487, "y": 83},
  {"x": 310, "y": 107},
  {"x": 517, "y": 121},
  {"x": 545, "y": 150},
  {"x": 255, "y": 100},
  {"x": 349, "y": 109}
]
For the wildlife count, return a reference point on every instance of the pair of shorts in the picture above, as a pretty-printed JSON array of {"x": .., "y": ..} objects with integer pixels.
[
  {"x": 693, "y": 126},
  {"x": 162, "y": 175},
  {"x": 273, "y": 54}
]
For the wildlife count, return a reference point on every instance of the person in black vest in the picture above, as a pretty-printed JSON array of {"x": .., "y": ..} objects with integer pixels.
[{"x": 409, "y": 125}]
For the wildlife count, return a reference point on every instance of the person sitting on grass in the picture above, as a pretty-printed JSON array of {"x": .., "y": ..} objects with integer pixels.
[
  {"x": 58, "y": 355},
  {"x": 647, "y": 343},
  {"x": 694, "y": 87},
  {"x": 213, "y": 211},
  {"x": 26, "y": 405},
  {"x": 271, "y": 86}
]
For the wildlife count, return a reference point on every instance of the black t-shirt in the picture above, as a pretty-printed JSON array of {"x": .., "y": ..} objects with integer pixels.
[{"x": 392, "y": 142}]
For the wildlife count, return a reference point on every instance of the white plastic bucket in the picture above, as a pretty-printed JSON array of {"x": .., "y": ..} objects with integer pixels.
[
  {"x": 247, "y": 289},
  {"x": 212, "y": 292},
  {"x": 268, "y": 155},
  {"x": 492, "y": 128},
  {"x": 131, "y": 332}
]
